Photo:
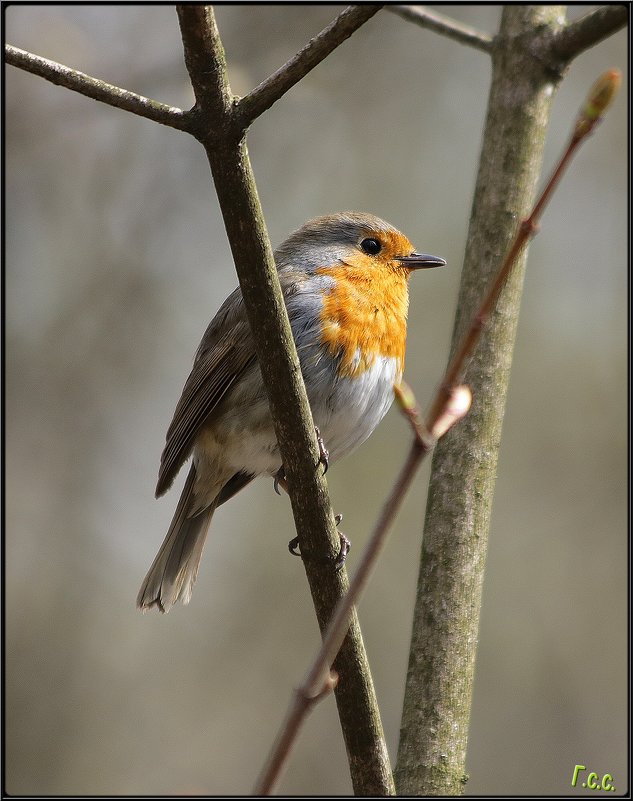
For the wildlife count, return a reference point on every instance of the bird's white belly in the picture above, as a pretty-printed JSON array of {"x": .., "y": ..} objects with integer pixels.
[
  {"x": 352, "y": 409},
  {"x": 345, "y": 409}
]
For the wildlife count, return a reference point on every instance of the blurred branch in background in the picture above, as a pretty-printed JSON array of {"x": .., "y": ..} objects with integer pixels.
[
  {"x": 567, "y": 43},
  {"x": 444, "y": 25},
  {"x": 438, "y": 695}
]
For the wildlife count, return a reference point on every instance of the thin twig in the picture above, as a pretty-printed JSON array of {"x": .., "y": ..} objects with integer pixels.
[
  {"x": 319, "y": 681},
  {"x": 276, "y": 85},
  {"x": 598, "y": 100},
  {"x": 445, "y": 26},
  {"x": 97, "y": 89},
  {"x": 587, "y": 31}
]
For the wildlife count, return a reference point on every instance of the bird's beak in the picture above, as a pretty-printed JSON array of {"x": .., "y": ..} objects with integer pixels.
[{"x": 418, "y": 261}]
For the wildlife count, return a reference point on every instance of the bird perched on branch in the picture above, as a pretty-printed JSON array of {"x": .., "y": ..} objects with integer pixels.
[{"x": 345, "y": 284}]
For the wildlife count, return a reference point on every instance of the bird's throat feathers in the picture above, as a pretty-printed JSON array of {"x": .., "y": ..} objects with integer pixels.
[{"x": 364, "y": 316}]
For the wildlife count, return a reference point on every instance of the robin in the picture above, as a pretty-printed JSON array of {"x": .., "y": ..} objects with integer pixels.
[{"x": 344, "y": 279}]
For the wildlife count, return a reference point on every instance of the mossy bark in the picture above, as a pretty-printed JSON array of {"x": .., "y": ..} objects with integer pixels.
[{"x": 436, "y": 712}]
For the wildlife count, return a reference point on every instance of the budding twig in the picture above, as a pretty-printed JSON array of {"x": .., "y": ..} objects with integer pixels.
[{"x": 598, "y": 100}]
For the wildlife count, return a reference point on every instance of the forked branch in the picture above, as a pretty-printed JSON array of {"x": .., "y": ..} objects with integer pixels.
[
  {"x": 243, "y": 111},
  {"x": 572, "y": 39},
  {"x": 588, "y": 30}
]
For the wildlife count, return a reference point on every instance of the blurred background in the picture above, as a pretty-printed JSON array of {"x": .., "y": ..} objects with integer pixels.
[{"x": 116, "y": 259}]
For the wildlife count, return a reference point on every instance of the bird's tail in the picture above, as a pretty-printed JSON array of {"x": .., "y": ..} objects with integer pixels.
[{"x": 173, "y": 572}]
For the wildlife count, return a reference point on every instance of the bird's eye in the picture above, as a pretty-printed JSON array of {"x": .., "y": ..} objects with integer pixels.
[{"x": 371, "y": 246}]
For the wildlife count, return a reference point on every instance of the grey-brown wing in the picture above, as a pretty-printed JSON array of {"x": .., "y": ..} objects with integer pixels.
[
  {"x": 217, "y": 367},
  {"x": 225, "y": 353}
]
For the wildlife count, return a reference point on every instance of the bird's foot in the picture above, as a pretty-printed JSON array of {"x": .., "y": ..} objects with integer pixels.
[
  {"x": 280, "y": 481},
  {"x": 344, "y": 547},
  {"x": 339, "y": 560},
  {"x": 324, "y": 459},
  {"x": 324, "y": 454}
]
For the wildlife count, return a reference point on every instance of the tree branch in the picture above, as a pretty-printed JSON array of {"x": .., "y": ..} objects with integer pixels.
[
  {"x": 578, "y": 36},
  {"x": 97, "y": 89},
  {"x": 438, "y": 693},
  {"x": 263, "y": 300},
  {"x": 276, "y": 85},
  {"x": 444, "y": 25}
]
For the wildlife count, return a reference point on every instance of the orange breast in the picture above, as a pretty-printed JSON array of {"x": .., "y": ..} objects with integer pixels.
[{"x": 365, "y": 315}]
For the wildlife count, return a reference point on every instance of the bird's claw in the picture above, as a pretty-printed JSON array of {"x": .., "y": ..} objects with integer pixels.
[
  {"x": 280, "y": 478},
  {"x": 324, "y": 454},
  {"x": 324, "y": 459},
  {"x": 339, "y": 561},
  {"x": 343, "y": 551},
  {"x": 344, "y": 547}
]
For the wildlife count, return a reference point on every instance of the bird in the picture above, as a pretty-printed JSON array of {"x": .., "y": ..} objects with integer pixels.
[{"x": 344, "y": 279}]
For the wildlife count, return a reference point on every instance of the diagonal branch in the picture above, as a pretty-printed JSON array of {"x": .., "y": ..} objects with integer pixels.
[
  {"x": 97, "y": 89},
  {"x": 269, "y": 91},
  {"x": 276, "y": 351},
  {"x": 578, "y": 36},
  {"x": 444, "y": 25}
]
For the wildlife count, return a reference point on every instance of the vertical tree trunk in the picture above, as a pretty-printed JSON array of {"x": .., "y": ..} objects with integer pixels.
[{"x": 434, "y": 730}]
